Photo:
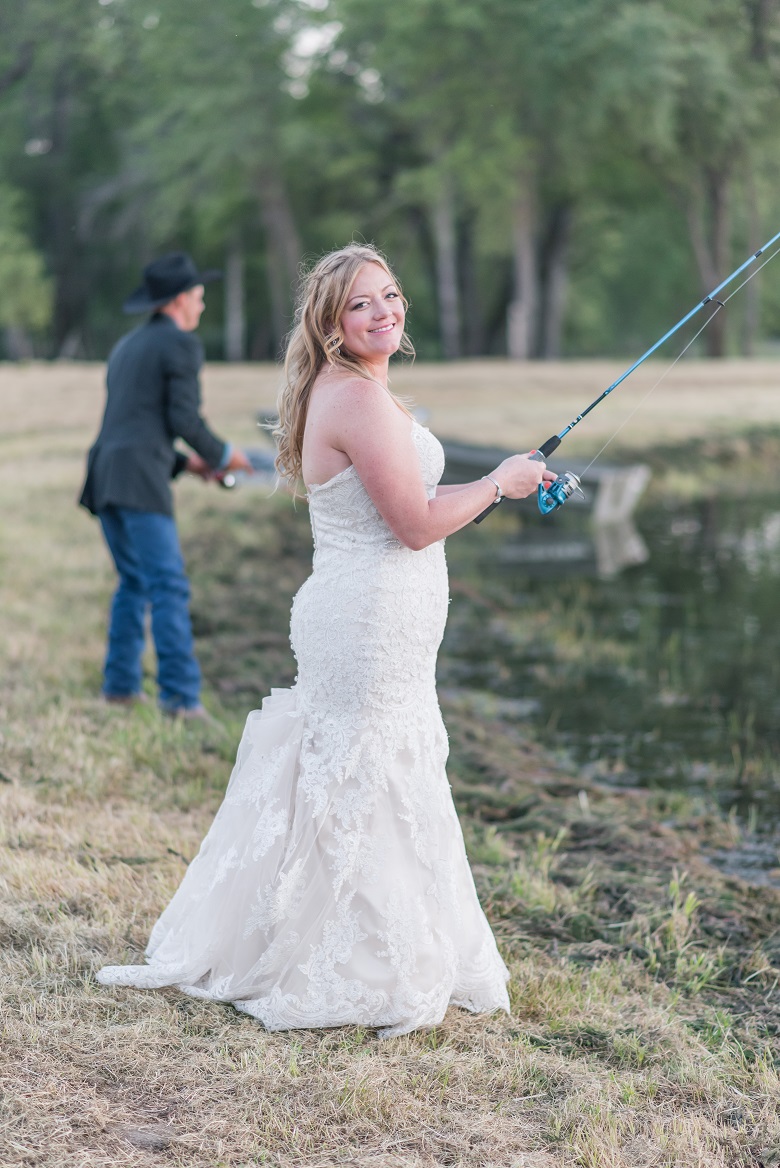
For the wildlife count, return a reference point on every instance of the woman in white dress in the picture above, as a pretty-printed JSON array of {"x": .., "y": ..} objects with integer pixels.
[{"x": 333, "y": 886}]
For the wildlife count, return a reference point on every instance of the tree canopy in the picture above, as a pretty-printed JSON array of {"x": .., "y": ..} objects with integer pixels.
[{"x": 549, "y": 178}]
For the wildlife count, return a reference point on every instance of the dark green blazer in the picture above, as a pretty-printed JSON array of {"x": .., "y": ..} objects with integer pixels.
[{"x": 153, "y": 398}]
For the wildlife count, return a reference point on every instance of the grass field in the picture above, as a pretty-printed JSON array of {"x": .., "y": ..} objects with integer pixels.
[
  {"x": 506, "y": 403},
  {"x": 646, "y": 1014}
]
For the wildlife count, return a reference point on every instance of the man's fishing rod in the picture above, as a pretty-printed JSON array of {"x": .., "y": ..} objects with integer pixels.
[{"x": 556, "y": 494}]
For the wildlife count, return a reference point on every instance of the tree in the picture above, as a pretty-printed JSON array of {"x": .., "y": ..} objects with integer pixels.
[
  {"x": 508, "y": 111},
  {"x": 502, "y": 152},
  {"x": 723, "y": 71},
  {"x": 215, "y": 141}
]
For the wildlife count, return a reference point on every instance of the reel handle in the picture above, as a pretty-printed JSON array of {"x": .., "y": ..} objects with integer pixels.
[
  {"x": 539, "y": 455},
  {"x": 556, "y": 493}
]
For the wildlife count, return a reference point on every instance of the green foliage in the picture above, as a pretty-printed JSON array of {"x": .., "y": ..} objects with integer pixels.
[
  {"x": 639, "y": 139},
  {"x": 25, "y": 289}
]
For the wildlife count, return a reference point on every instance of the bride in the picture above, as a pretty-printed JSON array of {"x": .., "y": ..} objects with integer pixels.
[{"x": 333, "y": 885}]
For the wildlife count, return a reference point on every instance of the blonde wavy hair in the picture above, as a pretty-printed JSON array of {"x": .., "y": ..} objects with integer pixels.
[{"x": 316, "y": 340}]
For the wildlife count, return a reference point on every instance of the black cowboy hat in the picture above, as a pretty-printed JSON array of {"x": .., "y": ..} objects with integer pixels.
[{"x": 164, "y": 279}]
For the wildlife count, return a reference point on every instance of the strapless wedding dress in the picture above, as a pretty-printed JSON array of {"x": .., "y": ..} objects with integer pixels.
[{"x": 333, "y": 886}]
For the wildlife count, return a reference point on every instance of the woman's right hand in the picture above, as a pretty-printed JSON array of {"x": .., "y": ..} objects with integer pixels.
[{"x": 519, "y": 475}]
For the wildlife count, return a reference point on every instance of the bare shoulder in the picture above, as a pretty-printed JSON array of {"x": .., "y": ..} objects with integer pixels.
[
  {"x": 347, "y": 389},
  {"x": 355, "y": 400}
]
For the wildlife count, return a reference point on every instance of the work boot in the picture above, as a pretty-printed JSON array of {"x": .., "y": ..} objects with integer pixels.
[
  {"x": 136, "y": 699},
  {"x": 188, "y": 713}
]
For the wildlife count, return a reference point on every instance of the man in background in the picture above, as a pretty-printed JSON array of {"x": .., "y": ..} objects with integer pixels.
[{"x": 154, "y": 398}]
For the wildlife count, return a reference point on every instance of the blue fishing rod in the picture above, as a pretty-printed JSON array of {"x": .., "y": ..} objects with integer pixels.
[{"x": 555, "y": 495}]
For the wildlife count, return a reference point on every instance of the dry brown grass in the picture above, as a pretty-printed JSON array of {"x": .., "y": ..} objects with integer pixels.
[
  {"x": 502, "y": 402},
  {"x": 625, "y": 1048}
]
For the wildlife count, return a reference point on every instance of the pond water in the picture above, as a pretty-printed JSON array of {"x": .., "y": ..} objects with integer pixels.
[{"x": 666, "y": 674}]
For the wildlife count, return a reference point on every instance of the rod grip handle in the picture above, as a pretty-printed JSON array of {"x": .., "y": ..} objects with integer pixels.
[
  {"x": 484, "y": 514},
  {"x": 539, "y": 455},
  {"x": 546, "y": 449}
]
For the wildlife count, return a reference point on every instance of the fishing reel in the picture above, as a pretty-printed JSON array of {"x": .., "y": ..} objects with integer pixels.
[
  {"x": 555, "y": 494},
  {"x": 565, "y": 485},
  {"x": 263, "y": 470}
]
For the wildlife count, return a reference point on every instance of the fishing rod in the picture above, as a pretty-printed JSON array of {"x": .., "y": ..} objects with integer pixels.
[{"x": 556, "y": 494}]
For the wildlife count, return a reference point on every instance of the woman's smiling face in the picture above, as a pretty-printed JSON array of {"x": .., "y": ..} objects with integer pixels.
[{"x": 372, "y": 323}]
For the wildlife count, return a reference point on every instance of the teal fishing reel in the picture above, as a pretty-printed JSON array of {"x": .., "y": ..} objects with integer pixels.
[{"x": 552, "y": 495}]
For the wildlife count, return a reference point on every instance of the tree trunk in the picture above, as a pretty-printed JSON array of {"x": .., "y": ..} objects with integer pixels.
[
  {"x": 283, "y": 250},
  {"x": 554, "y": 280},
  {"x": 719, "y": 203},
  {"x": 721, "y": 223},
  {"x": 235, "y": 322},
  {"x": 66, "y": 253},
  {"x": 695, "y": 215},
  {"x": 19, "y": 68},
  {"x": 443, "y": 221},
  {"x": 752, "y": 298},
  {"x": 18, "y": 345},
  {"x": 521, "y": 313},
  {"x": 71, "y": 347},
  {"x": 709, "y": 227},
  {"x": 261, "y": 347},
  {"x": 759, "y": 14},
  {"x": 473, "y": 322}
]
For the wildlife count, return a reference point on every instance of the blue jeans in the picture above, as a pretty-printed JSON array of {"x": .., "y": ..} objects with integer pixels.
[{"x": 145, "y": 549}]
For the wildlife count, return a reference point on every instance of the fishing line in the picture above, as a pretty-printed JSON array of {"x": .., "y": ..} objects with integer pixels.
[
  {"x": 752, "y": 274},
  {"x": 680, "y": 355},
  {"x": 555, "y": 494},
  {"x": 642, "y": 400}
]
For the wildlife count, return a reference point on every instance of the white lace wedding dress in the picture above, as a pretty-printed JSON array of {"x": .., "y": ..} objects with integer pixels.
[{"x": 333, "y": 886}]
